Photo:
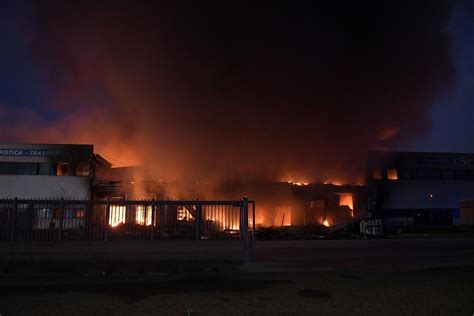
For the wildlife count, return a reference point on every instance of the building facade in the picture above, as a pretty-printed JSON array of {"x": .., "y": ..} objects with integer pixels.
[
  {"x": 46, "y": 171},
  {"x": 419, "y": 188}
]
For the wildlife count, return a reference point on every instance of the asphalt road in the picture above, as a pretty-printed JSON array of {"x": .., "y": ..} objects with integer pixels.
[
  {"x": 447, "y": 291},
  {"x": 373, "y": 255},
  {"x": 430, "y": 276}
]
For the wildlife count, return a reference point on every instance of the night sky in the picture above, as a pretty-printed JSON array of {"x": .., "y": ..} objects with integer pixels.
[
  {"x": 452, "y": 114},
  {"x": 282, "y": 91}
]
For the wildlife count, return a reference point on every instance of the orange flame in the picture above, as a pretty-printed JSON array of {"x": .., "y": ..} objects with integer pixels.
[
  {"x": 143, "y": 215},
  {"x": 117, "y": 215}
]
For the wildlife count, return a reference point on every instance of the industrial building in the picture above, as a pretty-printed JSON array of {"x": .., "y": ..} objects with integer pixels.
[
  {"x": 55, "y": 171},
  {"x": 46, "y": 171},
  {"x": 281, "y": 204},
  {"x": 419, "y": 188},
  {"x": 403, "y": 188}
]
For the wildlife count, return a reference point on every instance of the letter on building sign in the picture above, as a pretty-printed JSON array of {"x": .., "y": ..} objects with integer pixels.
[{"x": 463, "y": 161}]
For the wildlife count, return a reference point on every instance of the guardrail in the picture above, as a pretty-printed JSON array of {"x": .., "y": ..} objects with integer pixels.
[{"x": 109, "y": 220}]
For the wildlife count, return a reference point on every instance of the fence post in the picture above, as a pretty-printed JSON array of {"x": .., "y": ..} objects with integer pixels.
[
  {"x": 252, "y": 255},
  {"x": 61, "y": 217},
  {"x": 107, "y": 215},
  {"x": 241, "y": 219},
  {"x": 29, "y": 222},
  {"x": 153, "y": 217},
  {"x": 88, "y": 220},
  {"x": 245, "y": 229},
  {"x": 12, "y": 219},
  {"x": 198, "y": 219}
]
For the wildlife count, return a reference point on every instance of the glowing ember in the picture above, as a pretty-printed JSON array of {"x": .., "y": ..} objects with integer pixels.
[
  {"x": 230, "y": 227},
  {"x": 333, "y": 182},
  {"x": 298, "y": 183}
]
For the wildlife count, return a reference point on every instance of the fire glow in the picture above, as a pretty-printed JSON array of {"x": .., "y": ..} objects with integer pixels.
[
  {"x": 184, "y": 215},
  {"x": 346, "y": 199},
  {"x": 308, "y": 135},
  {"x": 278, "y": 204},
  {"x": 299, "y": 184},
  {"x": 143, "y": 215},
  {"x": 117, "y": 215},
  {"x": 218, "y": 217}
]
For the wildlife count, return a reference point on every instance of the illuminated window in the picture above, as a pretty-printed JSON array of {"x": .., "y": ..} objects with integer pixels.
[
  {"x": 346, "y": 199},
  {"x": 143, "y": 215},
  {"x": 392, "y": 174},
  {"x": 63, "y": 169},
  {"x": 376, "y": 174},
  {"x": 117, "y": 215},
  {"x": 79, "y": 214}
]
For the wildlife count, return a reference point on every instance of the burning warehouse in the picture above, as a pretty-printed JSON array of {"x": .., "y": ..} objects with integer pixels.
[
  {"x": 303, "y": 204},
  {"x": 407, "y": 188},
  {"x": 66, "y": 171},
  {"x": 56, "y": 171},
  {"x": 75, "y": 172},
  {"x": 192, "y": 94},
  {"x": 218, "y": 123},
  {"x": 71, "y": 187}
]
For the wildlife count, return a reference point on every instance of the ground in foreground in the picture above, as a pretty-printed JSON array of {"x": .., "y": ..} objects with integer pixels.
[{"x": 446, "y": 291}]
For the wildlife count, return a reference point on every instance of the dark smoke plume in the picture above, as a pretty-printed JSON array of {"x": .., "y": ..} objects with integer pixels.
[{"x": 203, "y": 89}]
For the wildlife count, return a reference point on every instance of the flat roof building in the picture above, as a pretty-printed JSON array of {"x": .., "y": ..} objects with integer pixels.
[
  {"x": 51, "y": 171},
  {"x": 426, "y": 187}
]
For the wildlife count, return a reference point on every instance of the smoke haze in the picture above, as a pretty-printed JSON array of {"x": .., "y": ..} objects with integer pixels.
[{"x": 220, "y": 89}]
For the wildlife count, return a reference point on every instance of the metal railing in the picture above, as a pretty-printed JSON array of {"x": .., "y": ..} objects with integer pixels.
[{"x": 127, "y": 220}]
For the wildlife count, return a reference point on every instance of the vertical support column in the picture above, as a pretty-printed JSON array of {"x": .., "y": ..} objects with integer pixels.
[
  {"x": 12, "y": 219},
  {"x": 153, "y": 219},
  {"x": 106, "y": 222},
  {"x": 61, "y": 218},
  {"x": 198, "y": 220},
  {"x": 245, "y": 230}
]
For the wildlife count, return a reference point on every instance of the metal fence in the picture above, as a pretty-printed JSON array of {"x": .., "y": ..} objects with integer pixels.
[{"x": 109, "y": 220}]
